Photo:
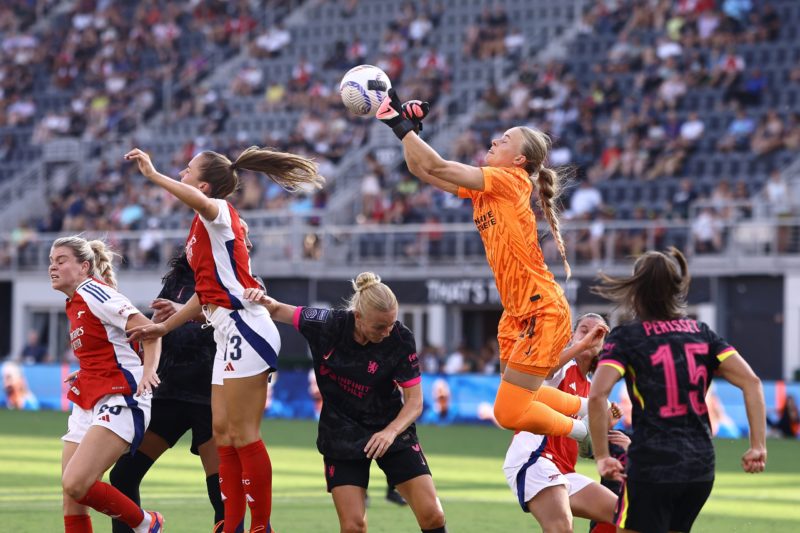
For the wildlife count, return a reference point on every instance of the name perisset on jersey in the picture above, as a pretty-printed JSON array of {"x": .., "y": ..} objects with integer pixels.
[
  {"x": 73, "y": 336},
  {"x": 659, "y": 327}
]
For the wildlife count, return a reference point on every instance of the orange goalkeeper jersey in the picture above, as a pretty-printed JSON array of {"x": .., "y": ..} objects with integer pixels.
[{"x": 505, "y": 220}]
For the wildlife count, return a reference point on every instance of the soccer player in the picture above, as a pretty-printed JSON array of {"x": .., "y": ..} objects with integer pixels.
[
  {"x": 362, "y": 358},
  {"x": 668, "y": 361},
  {"x": 247, "y": 340},
  {"x": 535, "y": 325},
  {"x": 111, "y": 391},
  {"x": 541, "y": 470},
  {"x": 182, "y": 401}
]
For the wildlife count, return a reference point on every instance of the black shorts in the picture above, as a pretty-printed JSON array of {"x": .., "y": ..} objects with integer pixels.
[
  {"x": 660, "y": 507},
  {"x": 399, "y": 467},
  {"x": 170, "y": 419}
]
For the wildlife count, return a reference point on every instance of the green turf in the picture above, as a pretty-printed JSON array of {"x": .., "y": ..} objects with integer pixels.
[{"x": 466, "y": 463}]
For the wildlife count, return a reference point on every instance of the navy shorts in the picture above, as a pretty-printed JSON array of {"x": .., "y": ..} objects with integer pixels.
[
  {"x": 172, "y": 418},
  {"x": 660, "y": 507},
  {"x": 399, "y": 467}
]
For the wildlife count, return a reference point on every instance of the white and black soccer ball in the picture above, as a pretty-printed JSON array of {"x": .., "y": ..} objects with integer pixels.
[{"x": 363, "y": 88}]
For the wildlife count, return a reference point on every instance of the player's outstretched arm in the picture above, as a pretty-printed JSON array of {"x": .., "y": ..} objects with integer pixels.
[
  {"x": 594, "y": 341},
  {"x": 191, "y": 196},
  {"x": 142, "y": 332},
  {"x": 380, "y": 442},
  {"x": 422, "y": 160},
  {"x": 279, "y": 311},
  {"x": 736, "y": 370}
]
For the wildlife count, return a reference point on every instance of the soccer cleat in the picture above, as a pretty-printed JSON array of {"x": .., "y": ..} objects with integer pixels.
[
  {"x": 219, "y": 527},
  {"x": 156, "y": 522},
  {"x": 392, "y": 496}
]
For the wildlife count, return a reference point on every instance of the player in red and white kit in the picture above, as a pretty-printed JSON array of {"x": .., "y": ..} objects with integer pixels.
[
  {"x": 540, "y": 469},
  {"x": 111, "y": 391},
  {"x": 246, "y": 337}
]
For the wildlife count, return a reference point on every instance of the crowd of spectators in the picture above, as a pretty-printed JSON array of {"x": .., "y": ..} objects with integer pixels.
[{"x": 630, "y": 116}]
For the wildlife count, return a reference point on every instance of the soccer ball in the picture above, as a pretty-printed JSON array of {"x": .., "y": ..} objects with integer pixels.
[{"x": 363, "y": 89}]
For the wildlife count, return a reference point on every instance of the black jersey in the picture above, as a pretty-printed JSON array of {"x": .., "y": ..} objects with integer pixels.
[
  {"x": 187, "y": 352},
  {"x": 668, "y": 366},
  {"x": 358, "y": 383}
]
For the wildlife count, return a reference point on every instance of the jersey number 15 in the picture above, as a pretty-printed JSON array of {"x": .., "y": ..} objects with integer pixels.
[{"x": 698, "y": 375}]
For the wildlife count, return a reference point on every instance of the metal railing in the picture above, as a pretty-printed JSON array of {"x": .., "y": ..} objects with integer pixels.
[{"x": 291, "y": 245}]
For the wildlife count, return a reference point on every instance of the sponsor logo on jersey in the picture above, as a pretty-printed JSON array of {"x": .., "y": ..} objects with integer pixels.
[
  {"x": 189, "y": 245},
  {"x": 74, "y": 337},
  {"x": 80, "y": 313}
]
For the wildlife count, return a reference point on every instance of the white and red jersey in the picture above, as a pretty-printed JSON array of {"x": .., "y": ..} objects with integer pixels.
[
  {"x": 217, "y": 253},
  {"x": 562, "y": 451},
  {"x": 97, "y": 316}
]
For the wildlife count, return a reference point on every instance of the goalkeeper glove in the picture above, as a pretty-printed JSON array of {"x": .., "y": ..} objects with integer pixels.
[{"x": 391, "y": 113}]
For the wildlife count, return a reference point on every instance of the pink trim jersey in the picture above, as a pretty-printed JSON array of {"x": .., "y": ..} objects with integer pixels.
[
  {"x": 218, "y": 256},
  {"x": 98, "y": 315},
  {"x": 526, "y": 448}
]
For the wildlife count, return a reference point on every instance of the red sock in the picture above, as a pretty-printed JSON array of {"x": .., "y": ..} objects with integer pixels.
[
  {"x": 230, "y": 487},
  {"x": 106, "y": 499},
  {"x": 257, "y": 481},
  {"x": 77, "y": 523}
]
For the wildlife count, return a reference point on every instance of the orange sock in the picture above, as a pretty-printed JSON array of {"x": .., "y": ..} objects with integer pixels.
[{"x": 516, "y": 408}]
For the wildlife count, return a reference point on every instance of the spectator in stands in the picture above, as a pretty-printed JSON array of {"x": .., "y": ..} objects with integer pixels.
[
  {"x": 33, "y": 352},
  {"x": 737, "y": 136},
  {"x": 727, "y": 70},
  {"x": 707, "y": 232},
  {"x": 776, "y": 194},
  {"x": 769, "y": 134},
  {"x": 741, "y": 196},
  {"x": 455, "y": 363},
  {"x": 585, "y": 200},
  {"x": 272, "y": 42},
  {"x": 683, "y": 198},
  {"x": 15, "y": 387},
  {"x": 691, "y": 131},
  {"x": 788, "y": 424}
]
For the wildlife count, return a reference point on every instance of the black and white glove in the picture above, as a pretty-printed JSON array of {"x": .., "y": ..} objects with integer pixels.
[
  {"x": 392, "y": 114},
  {"x": 416, "y": 110}
]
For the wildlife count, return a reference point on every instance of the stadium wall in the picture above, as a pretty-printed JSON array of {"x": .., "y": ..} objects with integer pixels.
[
  {"x": 448, "y": 399},
  {"x": 759, "y": 315}
]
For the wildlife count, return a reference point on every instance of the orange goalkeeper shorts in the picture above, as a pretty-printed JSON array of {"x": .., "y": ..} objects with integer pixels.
[{"x": 533, "y": 343}]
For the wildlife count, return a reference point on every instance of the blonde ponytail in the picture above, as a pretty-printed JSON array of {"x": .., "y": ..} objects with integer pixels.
[
  {"x": 103, "y": 262},
  {"x": 548, "y": 183}
]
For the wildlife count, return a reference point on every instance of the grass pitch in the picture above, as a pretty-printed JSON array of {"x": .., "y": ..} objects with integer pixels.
[{"x": 466, "y": 463}]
